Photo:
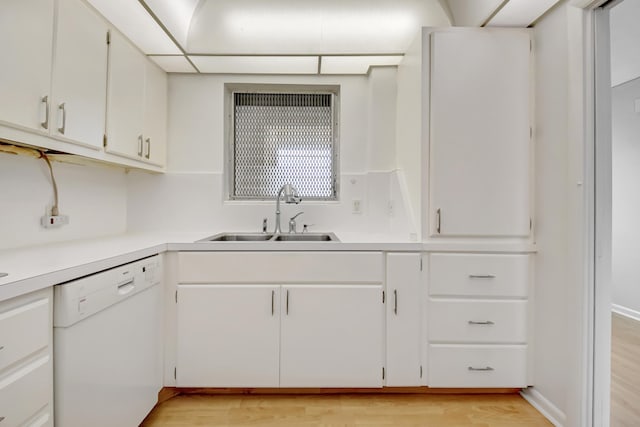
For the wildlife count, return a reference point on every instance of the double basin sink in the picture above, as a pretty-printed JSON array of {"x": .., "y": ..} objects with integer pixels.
[{"x": 266, "y": 237}]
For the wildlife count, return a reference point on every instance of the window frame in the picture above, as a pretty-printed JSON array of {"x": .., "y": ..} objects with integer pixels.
[{"x": 229, "y": 143}]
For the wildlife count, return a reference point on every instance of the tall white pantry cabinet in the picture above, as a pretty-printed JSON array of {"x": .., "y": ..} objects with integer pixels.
[{"x": 478, "y": 145}]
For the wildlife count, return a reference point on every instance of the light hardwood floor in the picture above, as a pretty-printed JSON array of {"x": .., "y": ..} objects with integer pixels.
[
  {"x": 346, "y": 410},
  {"x": 625, "y": 372}
]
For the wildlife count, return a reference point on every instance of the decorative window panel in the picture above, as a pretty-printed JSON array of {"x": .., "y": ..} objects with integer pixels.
[{"x": 281, "y": 138}]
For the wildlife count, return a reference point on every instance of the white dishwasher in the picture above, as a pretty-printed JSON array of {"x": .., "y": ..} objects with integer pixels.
[{"x": 108, "y": 346}]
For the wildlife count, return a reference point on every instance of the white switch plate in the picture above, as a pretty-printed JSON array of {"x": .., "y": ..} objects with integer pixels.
[{"x": 357, "y": 206}]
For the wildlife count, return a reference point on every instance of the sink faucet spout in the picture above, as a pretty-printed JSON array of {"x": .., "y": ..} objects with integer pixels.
[{"x": 290, "y": 196}]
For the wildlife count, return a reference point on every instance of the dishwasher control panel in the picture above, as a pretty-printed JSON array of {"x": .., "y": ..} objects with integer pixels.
[{"x": 78, "y": 299}]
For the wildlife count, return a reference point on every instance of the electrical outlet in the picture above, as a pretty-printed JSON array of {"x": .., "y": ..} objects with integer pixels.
[
  {"x": 357, "y": 206},
  {"x": 54, "y": 221}
]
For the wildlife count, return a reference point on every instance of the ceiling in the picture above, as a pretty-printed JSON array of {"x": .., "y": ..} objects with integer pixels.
[
  {"x": 625, "y": 33},
  {"x": 296, "y": 36}
]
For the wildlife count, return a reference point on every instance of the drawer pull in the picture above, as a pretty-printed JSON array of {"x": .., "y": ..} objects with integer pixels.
[
  {"x": 273, "y": 298},
  {"x": 486, "y": 322},
  {"x": 487, "y": 369},
  {"x": 395, "y": 302},
  {"x": 482, "y": 276}
]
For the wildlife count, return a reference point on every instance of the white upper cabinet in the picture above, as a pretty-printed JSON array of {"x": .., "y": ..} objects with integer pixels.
[
  {"x": 480, "y": 133},
  {"x": 155, "y": 115},
  {"x": 26, "y": 29},
  {"x": 136, "y": 104},
  {"x": 125, "y": 101},
  {"x": 80, "y": 75}
]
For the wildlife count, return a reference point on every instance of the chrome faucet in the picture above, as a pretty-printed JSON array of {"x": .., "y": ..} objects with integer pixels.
[
  {"x": 292, "y": 222},
  {"x": 290, "y": 196}
]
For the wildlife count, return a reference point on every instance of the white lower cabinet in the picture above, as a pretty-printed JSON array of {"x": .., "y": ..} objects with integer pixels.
[
  {"x": 331, "y": 336},
  {"x": 403, "y": 333},
  {"x": 228, "y": 336},
  {"x": 291, "y": 330},
  {"x": 26, "y": 370},
  {"x": 477, "y": 319}
]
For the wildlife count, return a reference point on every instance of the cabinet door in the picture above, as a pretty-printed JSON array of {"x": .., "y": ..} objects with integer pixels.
[
  {"x": 80, "y": 74},
  {"x": 480, "y": 133},
  {"x": 26, "y": 30},
  {"x": 331, "y": 336},
  {"x": 125, "y": 100},
  {"x": 155, "y": 115},
  {"x": 228, "y": 336},
  {"x": 405, "y": 294}
]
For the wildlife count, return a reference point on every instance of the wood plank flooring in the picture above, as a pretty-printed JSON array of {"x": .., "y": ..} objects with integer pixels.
[
  {"x": 625, "y": 371},
  {"x": 396, "y": 410}
]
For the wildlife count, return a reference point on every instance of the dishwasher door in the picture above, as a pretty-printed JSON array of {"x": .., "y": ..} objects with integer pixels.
[{"x": 108, "y": 367}]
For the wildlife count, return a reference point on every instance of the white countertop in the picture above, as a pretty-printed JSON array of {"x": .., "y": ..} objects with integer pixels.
[{"x": 36, "y": 267}]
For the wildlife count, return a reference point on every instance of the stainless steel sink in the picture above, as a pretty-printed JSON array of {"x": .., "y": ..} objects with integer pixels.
[
  {"x": 262, "y": 237},
  {"x": 308, "y": 237}
]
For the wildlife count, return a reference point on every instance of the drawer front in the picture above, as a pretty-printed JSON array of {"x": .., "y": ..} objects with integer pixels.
[
  {"x": 281, "y": 267},
  {"x": 470, "y": 366},
  {"x": 463, "y": 321},
  {"x": 23, "y": 330},
  {"x": 25, "y": 392},
  {"x": 478, "y": 275}
]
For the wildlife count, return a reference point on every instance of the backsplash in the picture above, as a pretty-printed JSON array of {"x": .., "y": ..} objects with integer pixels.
[{"x": 93, "y": 196}]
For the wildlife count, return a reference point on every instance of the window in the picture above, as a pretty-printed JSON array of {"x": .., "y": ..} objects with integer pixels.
[{"x": 279, "y": 138}]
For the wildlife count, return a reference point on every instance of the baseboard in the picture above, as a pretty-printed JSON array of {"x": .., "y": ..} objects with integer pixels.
[
  {"x": 169, "y": 392},
  {"x": 544, "y": 406},
  {"x": 626, "y": 312}
]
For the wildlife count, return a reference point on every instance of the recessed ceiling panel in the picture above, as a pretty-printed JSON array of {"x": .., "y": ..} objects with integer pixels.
[
  {"x": 520, "y": 13},
  {"x": 132, "y": 19},
  {"x": 310, "y": 26},
  {"x": 175, "y": 15},
  {"x": 256, "y": 64}
]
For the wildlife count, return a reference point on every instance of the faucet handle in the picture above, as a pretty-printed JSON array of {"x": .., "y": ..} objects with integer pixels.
[
  {"x": 295, "y": 216},
  {"x": 305, "y": 227}
]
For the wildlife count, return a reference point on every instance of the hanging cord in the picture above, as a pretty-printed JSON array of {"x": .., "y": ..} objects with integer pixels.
[{"x": 54, "y": 208}]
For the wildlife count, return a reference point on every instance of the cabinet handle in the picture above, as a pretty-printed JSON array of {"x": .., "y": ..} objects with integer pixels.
[
  {"x": 438, "y": 215},
  {"x": 482, "y": 276},
  {"x": 45, "y": 124},
  {"x": 273, "y": 298},
  {"x": 140, "y": 145},
  {"x": 64, "y": 118},
  {"x": 485, "y": 322},
  {"x": 395, "y": 302},
  {"x": 487, "y": 369},
  {"x": 287, "y": 309},
  {"x": 148, "y": 141}
]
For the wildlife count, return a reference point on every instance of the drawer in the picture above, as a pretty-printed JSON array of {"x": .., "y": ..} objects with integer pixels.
[
  {"x": 25, "y": 392},
  {"x": 488, "y": 321},
  {"x": 281, "y": 267},
  {"x": 479, "y": 275},
  {"x": 23, "y": 330},
  {"x": 473, "y": 366}
]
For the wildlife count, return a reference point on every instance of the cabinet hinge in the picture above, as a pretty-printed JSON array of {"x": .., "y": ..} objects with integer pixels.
[
  {"x": 176, "y": 297},
  {"x": 104, "y": 140},
  {"x": 530, "y": 224},
  {"x": 421, "y": 263},
  {"x": 108, "y": 37},
  {"x": 383, "y": 297},
  {"x": 175, "y": 373},
  {"x": 383, "y": 372},
  {"x": 420, "y": 371}
]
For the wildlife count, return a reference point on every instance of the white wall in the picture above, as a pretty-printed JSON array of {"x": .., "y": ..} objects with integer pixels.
[
  {"x": 626, "y": 197},
  {"x": 93, "y": 196},
  {"x": 625, "y": 34},
  {"x": 191, "y": 195},
  {"x": 551, "y": 360}
]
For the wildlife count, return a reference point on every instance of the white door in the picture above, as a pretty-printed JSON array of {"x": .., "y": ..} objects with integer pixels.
[
  {"x": 331, "y": 336},
  {"x": 125, "y": 99},
  {"x": 80, "y": 74},
  {"x": 155, "y": 115},
  {"x": 480, "y": 133},
  {"x": 26, "y": 31},
  {"x": 405, "y": 295},
  {"x": 228, "y": 336}
]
